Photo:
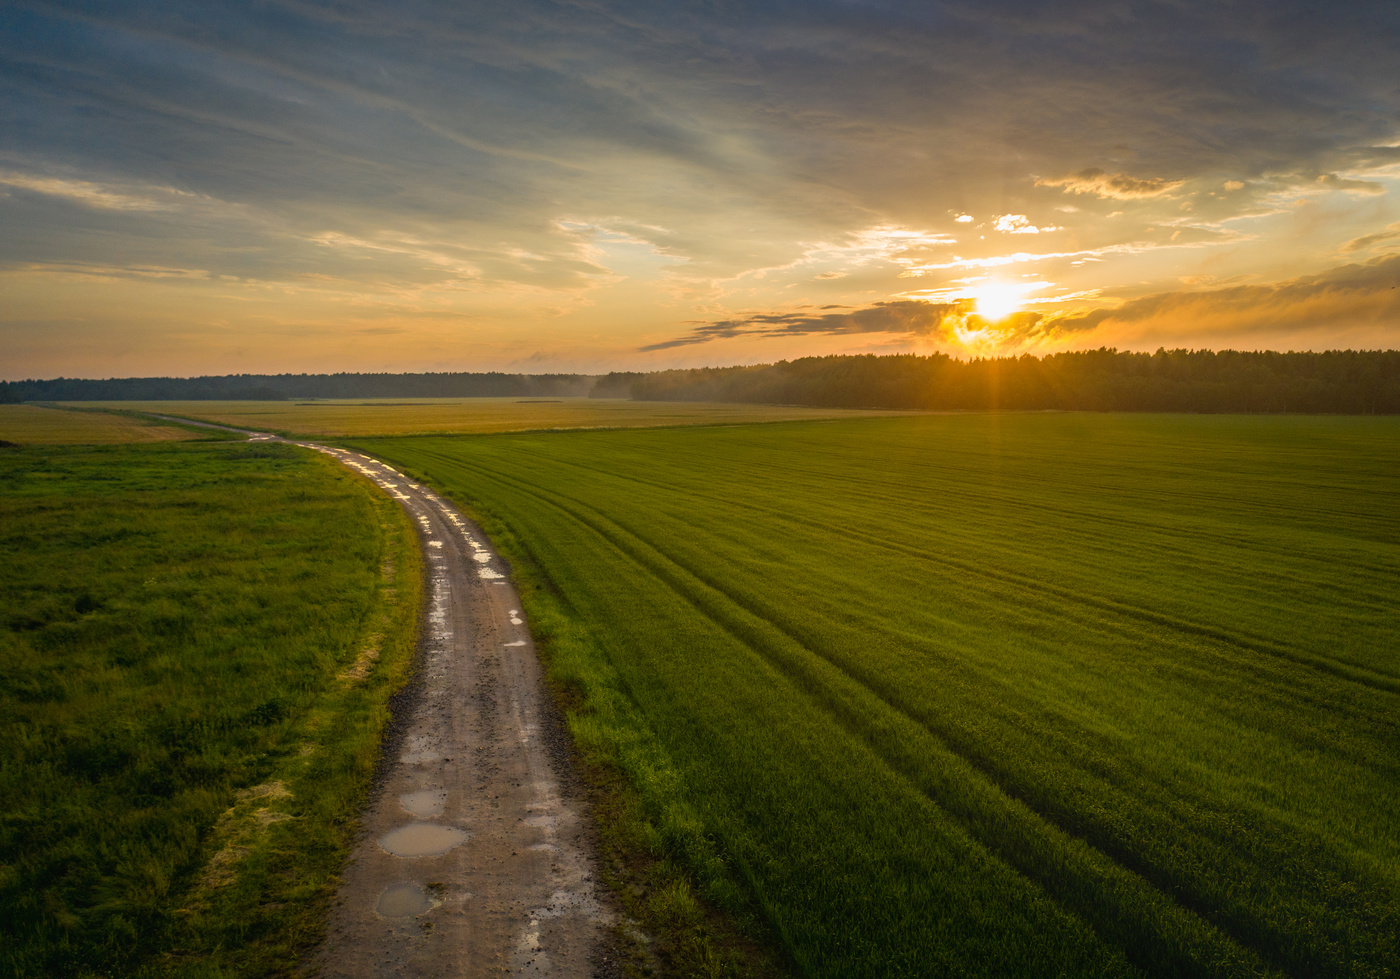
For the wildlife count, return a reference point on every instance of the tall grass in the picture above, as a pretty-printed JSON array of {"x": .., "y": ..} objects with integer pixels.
[
  {"x": 987, "y": 695},
  {"x": 181, "y": 761}
]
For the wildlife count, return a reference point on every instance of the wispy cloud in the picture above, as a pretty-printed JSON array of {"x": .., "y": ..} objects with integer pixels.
[
  {"x": 83, "y": 192},
  {"x": 1115, "y": 186},
  {"x": 1364, "y": 242}
]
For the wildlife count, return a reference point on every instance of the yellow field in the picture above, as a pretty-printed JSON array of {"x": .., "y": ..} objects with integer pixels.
[
  {"x": 31, "y": 425},
  {"x": 461, "y": 415}
]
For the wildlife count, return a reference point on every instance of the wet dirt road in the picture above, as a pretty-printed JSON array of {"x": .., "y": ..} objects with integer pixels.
[
  {"x": 472, "y": 861},
  {"x": 473, "y": 858}
]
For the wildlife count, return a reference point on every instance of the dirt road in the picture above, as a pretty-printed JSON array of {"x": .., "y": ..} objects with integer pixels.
[
  {"x": 474, "y": 859},
  {"x": 473, "y": 862}
]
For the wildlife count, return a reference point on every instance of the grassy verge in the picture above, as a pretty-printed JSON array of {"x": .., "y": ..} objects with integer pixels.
[
  {"x": 981, "y": 695},
  {"x": 198, "y": 646}
]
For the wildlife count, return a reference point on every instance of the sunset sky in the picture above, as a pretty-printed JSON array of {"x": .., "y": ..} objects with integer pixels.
[{"x": 588, "y": 186}]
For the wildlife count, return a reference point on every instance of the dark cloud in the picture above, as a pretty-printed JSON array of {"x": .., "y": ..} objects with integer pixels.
[
  {"x": 499, "y": 113},
  {"x": 905, "y": 316}
]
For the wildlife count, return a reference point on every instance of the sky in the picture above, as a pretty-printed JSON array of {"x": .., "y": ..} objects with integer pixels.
[{"x": 584, "y": 186}]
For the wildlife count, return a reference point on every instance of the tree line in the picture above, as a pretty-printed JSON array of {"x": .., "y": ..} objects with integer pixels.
[
  {"x": 1337, "y": 381},
  {"x": 1334, "y": 381},
  {"x": 282, "y": 387}
]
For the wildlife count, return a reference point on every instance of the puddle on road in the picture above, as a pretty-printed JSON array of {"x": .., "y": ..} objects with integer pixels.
[
  {"x": 422, "y": 840},
  {"x": 518, "y": 642},
  {"x": 425, "y": 804},
  {"x": 406, "y": 900},
  {"x": 488, "y": 574}
]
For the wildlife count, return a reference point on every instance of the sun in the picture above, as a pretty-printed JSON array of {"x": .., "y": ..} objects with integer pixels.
[{"x": 997, "y": 300}]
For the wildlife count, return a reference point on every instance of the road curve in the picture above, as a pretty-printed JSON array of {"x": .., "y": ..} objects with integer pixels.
[
  {"x": 471, "y": 862},
  {"x": 473, "y": 859}
]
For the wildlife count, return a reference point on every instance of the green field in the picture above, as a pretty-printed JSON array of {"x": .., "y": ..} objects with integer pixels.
[
  {"x": 416, "y": 416},
  {"x": 1028, "y": 694},
  {"x": 192, "y": 691}
]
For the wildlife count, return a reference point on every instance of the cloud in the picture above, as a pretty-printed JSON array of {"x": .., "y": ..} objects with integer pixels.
[
  {"x": 1364, "y": 242},
  {"x": 1019, "y": 224},
  {"x": 904, "y": 316},
  {"x": 1349, "y": 296},
  {"x": 1332, "y": 181},
  {"x": 1115, "y": 186},
  {"x": 486, "y": 151},
  {"x": 82, "y": 192}
]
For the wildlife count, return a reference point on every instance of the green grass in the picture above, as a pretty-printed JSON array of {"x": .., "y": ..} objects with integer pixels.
[
  {"x": 181, "y": 759},
  {"x": 1080, "y": 695}
]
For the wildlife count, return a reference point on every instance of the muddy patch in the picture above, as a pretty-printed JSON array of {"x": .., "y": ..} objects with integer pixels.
[
  {"x": 405, "y": 900},
  {"x": 422, "y": 840},
  {"x": 425, "y": 803}
]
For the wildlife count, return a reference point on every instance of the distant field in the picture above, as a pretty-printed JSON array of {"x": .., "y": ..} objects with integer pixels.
[
  {"x": 1030, "y": 695},
  {"x": 197, "y": 644},
  {"x": 471, "y": 415},
  {"x": 31, "y": 425}
]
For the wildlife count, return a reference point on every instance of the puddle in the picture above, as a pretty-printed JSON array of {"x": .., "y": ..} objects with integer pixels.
[
  {"x": 434, "y": 543},
  {"x": 482, "y": 557},
  {"x": 518, "y": 642},
  {"x": 406, "y": 900},
  {"x": 488, "y": 574},
  {"x": 425, "y": 804},
  {"x": 422, "y": 840}
]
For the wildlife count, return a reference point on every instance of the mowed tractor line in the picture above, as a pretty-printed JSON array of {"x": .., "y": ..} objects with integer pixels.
[{"x": 475, "y": 855}]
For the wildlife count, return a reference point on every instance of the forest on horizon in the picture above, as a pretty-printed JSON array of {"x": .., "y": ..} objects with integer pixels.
[{"x": 1330, "y": 382}]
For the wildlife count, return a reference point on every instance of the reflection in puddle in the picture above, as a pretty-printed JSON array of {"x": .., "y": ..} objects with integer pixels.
[
  {"x": 488, "y": 574},
  {"x": 518, "y": 642},
  {"x": 405, "y": 900},
  {"x": 424, "y": 804},
  {"x": 422, "y": 840}
]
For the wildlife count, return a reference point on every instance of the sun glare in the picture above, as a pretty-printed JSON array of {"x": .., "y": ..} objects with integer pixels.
[{"x": 997, "y": 300}]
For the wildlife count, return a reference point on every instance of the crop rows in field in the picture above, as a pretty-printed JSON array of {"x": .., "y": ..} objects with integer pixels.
[{"x": 1001, "y": 695}]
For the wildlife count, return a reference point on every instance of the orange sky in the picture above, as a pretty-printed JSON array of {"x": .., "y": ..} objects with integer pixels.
[{"x": 308, "y": 188}]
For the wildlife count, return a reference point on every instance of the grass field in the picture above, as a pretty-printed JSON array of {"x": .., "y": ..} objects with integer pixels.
[
  {"x": 1032, "y": 695},
  {"x": 192, "y": 691},
  {"x": 469, "y": 415},
  {"x": 33, "y": 425}
]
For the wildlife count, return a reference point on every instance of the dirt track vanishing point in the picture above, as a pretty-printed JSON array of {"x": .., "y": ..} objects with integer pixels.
[{"x": 474, "y": 858}]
